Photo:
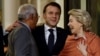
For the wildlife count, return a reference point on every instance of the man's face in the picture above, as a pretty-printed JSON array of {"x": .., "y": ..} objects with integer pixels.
[{"x": 52, "y": 16}]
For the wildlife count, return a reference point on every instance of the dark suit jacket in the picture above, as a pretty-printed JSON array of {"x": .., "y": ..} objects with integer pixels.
[
  {"x": 21, "y": 42},
  {"x": 1, "y": 42},
  {"x": 39, "y": 35}
]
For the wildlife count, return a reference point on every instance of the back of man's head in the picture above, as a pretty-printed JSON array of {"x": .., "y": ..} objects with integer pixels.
[{"x": 25, "y": 10}]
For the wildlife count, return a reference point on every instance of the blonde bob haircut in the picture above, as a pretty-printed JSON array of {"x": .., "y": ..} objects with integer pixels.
[{"x": 83, "y": 17}]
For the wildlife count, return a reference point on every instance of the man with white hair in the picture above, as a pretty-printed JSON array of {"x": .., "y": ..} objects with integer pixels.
[{"x": 20, "y": 40}]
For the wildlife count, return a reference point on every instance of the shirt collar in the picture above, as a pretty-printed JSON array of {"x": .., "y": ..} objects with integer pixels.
[
  {"x": 26, "y": 26},
  {"x": 47, "y": 27}
]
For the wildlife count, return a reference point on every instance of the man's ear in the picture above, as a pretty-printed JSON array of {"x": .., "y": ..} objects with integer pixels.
[{"x": 43, "y": 15}]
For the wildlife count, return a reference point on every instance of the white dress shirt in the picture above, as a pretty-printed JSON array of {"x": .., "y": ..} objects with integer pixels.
[{"x": 47, "y": 33}]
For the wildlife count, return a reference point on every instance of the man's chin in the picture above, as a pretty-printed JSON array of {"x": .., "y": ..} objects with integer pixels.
[{"x": 53, "y": 25}]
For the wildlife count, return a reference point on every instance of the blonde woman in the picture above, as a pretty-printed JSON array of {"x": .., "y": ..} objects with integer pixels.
[{"x": 82, "y": 42}]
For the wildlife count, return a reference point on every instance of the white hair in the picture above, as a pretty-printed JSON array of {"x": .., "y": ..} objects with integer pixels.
[{"x": 25, "y": 10}]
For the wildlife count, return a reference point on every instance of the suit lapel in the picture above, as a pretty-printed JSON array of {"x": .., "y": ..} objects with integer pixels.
[
  {"x": 43, "y": 35},
  {"x": 57, "y": 38}
]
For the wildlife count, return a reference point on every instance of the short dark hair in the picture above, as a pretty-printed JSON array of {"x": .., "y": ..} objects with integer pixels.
[{"x": 52, "y": 4}]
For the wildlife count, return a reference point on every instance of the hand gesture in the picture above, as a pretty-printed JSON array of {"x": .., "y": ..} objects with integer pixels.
[{"x": 82, "y": 48}]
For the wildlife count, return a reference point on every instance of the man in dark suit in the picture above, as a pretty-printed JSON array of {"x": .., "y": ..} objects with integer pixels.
[
  {"x": 20, "y": 40},
  {"x": 1, "y": 42},
  {"x": 51, "y": 14}
]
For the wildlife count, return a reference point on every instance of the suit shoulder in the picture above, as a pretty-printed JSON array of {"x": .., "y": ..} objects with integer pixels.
[
  {"x": 59, "y": 28},
  {"x": 39, "y": 26},
  {"x": 66, "y": 31},
  {"x": 38, "y": 29}
]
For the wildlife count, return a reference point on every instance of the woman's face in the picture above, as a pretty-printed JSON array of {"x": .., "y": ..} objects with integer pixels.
[{"x": 74, "y": 25}]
